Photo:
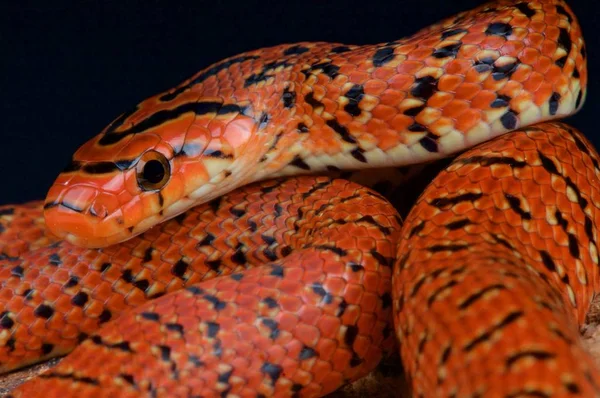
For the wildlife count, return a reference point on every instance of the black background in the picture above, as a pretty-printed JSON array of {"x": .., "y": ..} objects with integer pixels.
[{"x": 69, "y": 68}]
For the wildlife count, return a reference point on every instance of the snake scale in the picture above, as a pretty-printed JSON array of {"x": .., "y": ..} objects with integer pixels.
[{"x": 196, "y": 248}]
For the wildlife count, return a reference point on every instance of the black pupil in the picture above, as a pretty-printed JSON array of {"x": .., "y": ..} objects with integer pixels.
[{"x": 153, "y": 171}]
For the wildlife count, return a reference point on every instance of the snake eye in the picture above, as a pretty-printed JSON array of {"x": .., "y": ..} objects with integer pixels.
[{"x": 153, "y": 171}]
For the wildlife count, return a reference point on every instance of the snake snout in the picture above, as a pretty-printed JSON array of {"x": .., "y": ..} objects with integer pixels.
[{"x": 85, "y": 216}]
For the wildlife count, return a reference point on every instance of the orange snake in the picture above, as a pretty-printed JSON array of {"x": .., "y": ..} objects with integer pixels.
[{"x": 184, "y": 260}]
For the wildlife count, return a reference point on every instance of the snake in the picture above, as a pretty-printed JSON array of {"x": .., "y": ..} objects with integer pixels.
[{"x": 207, "y": 243}]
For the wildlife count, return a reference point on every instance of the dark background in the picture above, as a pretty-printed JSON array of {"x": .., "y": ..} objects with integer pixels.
[{"x": 67, "y": 70}]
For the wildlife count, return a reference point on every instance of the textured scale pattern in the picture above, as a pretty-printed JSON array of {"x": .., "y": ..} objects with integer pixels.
[
  {"x": 313, "y": 107},
  {"x": 168, "y": 262}
]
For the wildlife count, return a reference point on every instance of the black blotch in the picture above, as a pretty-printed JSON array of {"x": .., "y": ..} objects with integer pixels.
[
  {"x": 10, "y": 343},
  {"x": 264, "y": 74},
  {"x": 573, "y": 246},
  {"x": 295, "y": 50},
  {"x": 357, "y": 153},
  {"x": 55, "y": 259},
  {"x": 386, "y": 300},
  {"x": 103, "y": 268},
  {"x": 383, "y": 56},
  {"x": 414, "y": 111},
  {"x": 214, "y": 264},
  {"x": 450, "y": 248},
  {"x": 564, "y": 40},
  {"x": 175, "y": 327},
  {"x": 553, "y": 105},
  {"x": 504, "y": 71},
  {"x": 450, "y": 50},
  {"x": 276, "y": 270},
  {"x": 7, "y": 212},
  {"x": 524, "y": 8},
  {"x": 300, "y": 163},
  {"x": 424, "y": 87},
  {"x": 289, "y": 98},
  {"x": 274, "y": 326},
  {"x": 302, "y": 128},
  {"x": 429, "y": 144},
  {"x": 579, "y": 98},
  {"x": 458, "y": 224},
  {"x": 501, "y": 101},
  {"x": 195, "y": 290},
  {"x": 80, "y": 299},
  {"x": 237, "y": 277},
  {"x": 128, "y": 378},
  {"x": 354, "y": 95},
  {"x": 562, "y": 61},
  {"x": 5, "y": 321},
  {"x": 340, "y": 49},
  {"x": 341, "y": 130},
  {"x": 561, "y": 10},
  {"x": 207, "y": 240},
  {"x": 148, "y": 255},
  {"x": 484, "y": 64},
  {"x": 452, "y": 32},
  {"x": 105, "y": 316},
  {"x": 327, "y": 67},
  {"x": 548, "y": 164},
  {"x": 515, "y": 204},
  {"x": 218, "y": 304},
  {"x": 273, "y": 370},
  {"x": 179, "y": 268},
  {"x": 307, "y": 353},
  {"x": 17, "y": 271},
  {"x": 350, "y": 335},
  {"x": 239, "y": 257},
  {"x": 165, "y": 352},
  {"x": 270, "y": 302},
  {"x": 417, "y": 128},
  {"x": 499, "y": 29},
  {"x": 151, "y": 316},
  {"x": 212, "y": 329},
  {"x": 44, "y": 311},
  {"x": 47, "y": 348},
  {"x": 286, "y": 251},
  {"x": 509, "y": 120},
  {"x": 237, "y": 212}
]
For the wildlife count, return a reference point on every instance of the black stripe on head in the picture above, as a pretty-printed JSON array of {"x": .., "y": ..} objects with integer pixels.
[{"x": 166, "y": 115}]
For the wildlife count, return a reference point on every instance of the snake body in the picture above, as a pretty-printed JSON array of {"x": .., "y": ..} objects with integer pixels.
[{"x": 179, "y": 257}]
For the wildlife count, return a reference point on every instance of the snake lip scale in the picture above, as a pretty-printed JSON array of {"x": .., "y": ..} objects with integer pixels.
[{"x": 205, "y": 244}]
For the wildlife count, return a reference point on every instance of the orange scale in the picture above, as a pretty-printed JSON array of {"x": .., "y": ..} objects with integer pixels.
[
  {"x": 549, "y": 47},
  {"x": 420, "y": 53},
  {"x": 406, "y": 71},
  {"x": 375, "y": 87},
  {"x": 440, "y": 100},
  {"x": 543, "y": 93},
  {"x": 328, "y": 326},
  {"x": 455, "y": 108},
  {"x": 358, "y": 77},
  {"x": 449, "y": 82},
  {"x": 492, "y": 42},
  {"x": 400, "y": 122},
  {"x": 467, "y": 91},
  {"x": 383, "y": 73},
  {"x": 543, "y": 64},
  {"x": 339, "y": 360},
  {"x": 512, "y": 47},
  {"x": 483, "y": 99}
]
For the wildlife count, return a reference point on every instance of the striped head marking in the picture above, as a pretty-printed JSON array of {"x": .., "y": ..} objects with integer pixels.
[{"x": 150, "y": 165}]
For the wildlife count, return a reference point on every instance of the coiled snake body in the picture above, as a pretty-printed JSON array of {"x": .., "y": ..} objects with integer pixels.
[{"x": 183, "y": 260}]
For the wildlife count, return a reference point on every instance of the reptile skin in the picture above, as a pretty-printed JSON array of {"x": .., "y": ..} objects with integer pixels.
[{"x": 168, "y": 254}]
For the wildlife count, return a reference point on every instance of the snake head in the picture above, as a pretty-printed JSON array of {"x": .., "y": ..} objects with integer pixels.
[{"x": 147, "y": 166}]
